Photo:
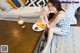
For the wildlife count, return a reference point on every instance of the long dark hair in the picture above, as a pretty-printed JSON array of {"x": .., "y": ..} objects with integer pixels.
[{"x": 57, "y": 5}]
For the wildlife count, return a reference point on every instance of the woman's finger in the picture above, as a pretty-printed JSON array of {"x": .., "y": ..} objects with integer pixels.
[{"x": 42, "y": 13}]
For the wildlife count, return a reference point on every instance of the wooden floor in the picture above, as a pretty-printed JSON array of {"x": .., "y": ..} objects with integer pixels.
[{"x": 18, "y": 40}]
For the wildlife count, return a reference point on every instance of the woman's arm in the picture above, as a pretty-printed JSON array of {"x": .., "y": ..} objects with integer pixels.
[
  {"x": 57, "y": 19},
  {"x": 43, "y": 15},
  {"x": 46, "y": 19}
]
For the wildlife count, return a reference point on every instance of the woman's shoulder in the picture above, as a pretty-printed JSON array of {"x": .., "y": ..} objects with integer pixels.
[{"x": 61, "y": 12}]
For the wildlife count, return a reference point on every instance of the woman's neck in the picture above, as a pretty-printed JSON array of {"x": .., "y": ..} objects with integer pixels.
[{"x": 56, "y": 12}]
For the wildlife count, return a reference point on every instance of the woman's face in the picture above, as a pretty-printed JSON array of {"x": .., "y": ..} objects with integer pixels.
[{"x": 51, "y": 8}]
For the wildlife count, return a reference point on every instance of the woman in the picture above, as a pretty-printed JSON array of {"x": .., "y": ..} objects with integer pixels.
[{"x": 57, "y": 22}]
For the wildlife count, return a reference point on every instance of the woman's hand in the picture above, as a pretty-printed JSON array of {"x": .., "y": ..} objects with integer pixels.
[
  {"x": 48, "y": 26},
  {"x": 42, "y": 15},
  {"x": 42, "y": 12}
]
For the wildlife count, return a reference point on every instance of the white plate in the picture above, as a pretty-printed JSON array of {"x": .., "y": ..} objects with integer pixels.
[{"x": 39, "y": 29}]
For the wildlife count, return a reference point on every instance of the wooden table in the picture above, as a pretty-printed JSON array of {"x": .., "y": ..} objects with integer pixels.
[{"x": 18, "y": 40}]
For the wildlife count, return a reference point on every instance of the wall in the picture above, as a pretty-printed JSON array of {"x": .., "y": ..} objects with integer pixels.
[{"x": 36, "y": 2}]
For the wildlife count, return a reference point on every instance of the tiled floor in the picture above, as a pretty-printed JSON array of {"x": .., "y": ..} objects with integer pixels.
[{"x": 67, "y": 44}]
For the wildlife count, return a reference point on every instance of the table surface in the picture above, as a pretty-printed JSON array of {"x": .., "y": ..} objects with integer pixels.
[{"x": 18, "y": 40}]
